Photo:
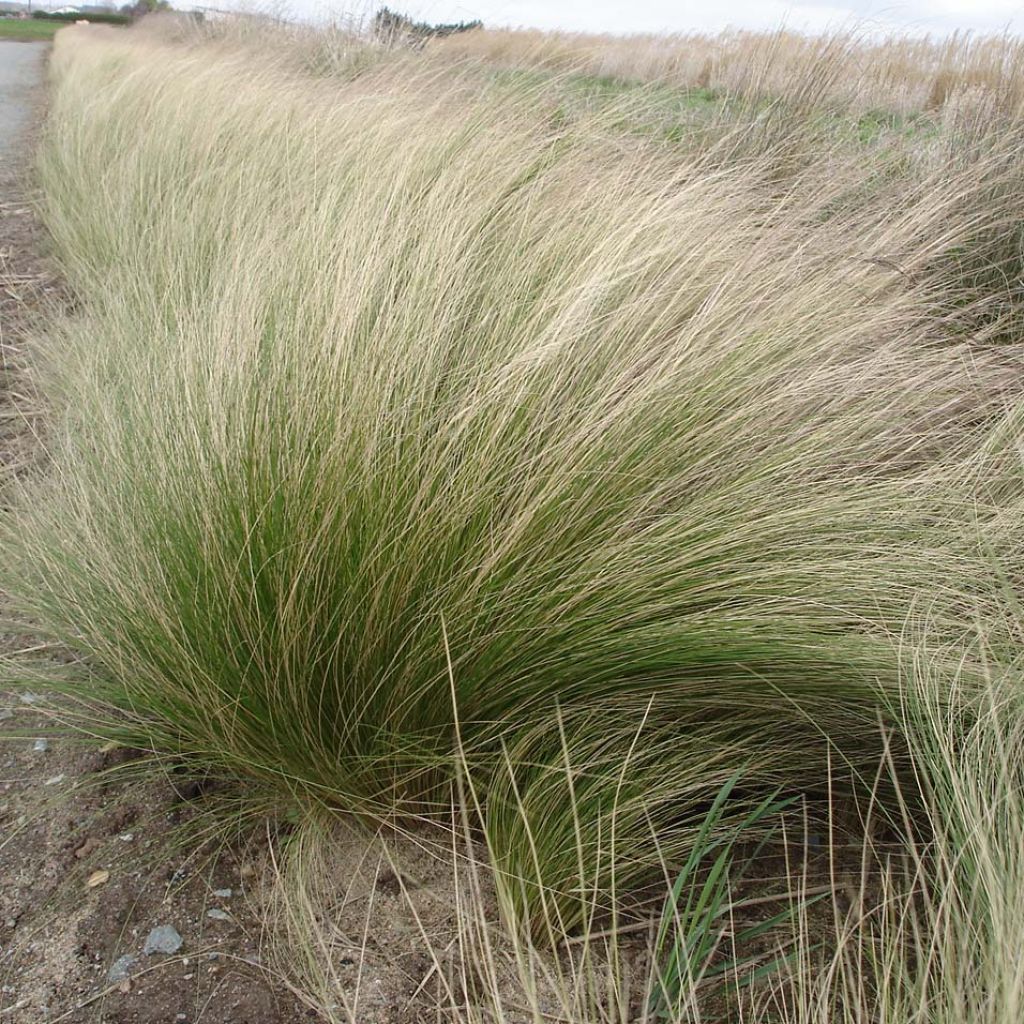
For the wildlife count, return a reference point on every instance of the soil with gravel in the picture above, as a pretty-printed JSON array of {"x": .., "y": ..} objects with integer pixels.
[{"x": 94, "y": 868}]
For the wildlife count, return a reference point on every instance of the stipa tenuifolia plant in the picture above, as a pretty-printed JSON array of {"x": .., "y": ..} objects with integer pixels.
[{"x": 407, "y": 426}]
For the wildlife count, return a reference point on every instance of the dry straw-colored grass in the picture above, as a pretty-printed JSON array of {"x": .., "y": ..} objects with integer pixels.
[
  {"x": 847, "y": 70},
  {"x": 431, "y": 444}
]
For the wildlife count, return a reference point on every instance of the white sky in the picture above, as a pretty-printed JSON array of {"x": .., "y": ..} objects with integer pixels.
[{"x": 622, "y": 16}]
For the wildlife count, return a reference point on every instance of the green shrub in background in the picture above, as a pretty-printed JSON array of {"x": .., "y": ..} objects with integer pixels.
[{"x": 98, "y": 17}]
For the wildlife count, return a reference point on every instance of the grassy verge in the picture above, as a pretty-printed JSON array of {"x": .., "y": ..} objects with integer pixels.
[
  {"x": 27, "y": 28},
  {"x": 420, "y": 451}
]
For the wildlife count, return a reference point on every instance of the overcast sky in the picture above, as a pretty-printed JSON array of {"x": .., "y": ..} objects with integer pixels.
[{"x": 620, "y": 16}]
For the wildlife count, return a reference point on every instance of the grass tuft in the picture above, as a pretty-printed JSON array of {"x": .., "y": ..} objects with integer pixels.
[{"x": 425, "y": 426}]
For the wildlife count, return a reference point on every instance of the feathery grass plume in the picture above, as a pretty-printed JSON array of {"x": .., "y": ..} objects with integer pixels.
[{"x": 401, "y": 418}]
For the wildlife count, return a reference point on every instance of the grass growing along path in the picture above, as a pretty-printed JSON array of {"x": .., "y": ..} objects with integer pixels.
[{"x": 418, "y": 435}]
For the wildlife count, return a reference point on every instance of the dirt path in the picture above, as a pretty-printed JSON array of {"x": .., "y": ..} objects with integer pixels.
[
  {"x": 25, "y": 283},
  {"x": 21, "y": 71},
  {"x": 91, "y": 857}
]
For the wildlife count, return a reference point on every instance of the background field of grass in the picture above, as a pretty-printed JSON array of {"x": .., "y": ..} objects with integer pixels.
[{"x": 508, "y": 430}]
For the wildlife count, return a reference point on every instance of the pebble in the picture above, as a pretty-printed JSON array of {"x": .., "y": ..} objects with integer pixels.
[
  {"x": 29, "y": 698},
  {"x": 121, "y": 968},
  {"x": 54, "y": 780},
  {"x": 92, "y": 843},
  {"x": 41, "y": 746},
  {"x": 162, "y": 939},
  {"x": 218, "y": 915},
  {"x": 5, "y": 713},
  {"x": 222, "y": 894}
]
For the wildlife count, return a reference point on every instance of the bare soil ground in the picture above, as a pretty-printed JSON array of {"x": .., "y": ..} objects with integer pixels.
[
  {"x": 90, "y": 858},
  {"x": 90, "y": 865}
]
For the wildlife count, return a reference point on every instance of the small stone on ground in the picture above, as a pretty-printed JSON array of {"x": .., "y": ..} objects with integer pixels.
[
  {"x": 121, "y": 968},
  {"x": 162, "y": 939}
]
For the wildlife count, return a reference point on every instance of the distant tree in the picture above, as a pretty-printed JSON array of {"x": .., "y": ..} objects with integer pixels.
[
  {"x": 100, "y": 17},
  {"x": 394, "y": 28},
  {"x": 141, "y": 7}
]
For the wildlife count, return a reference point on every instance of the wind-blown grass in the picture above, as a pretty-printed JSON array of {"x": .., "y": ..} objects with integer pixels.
[
  {"x": 408, "y": 427},
  {"x": 853, "y": 70},
  {"x": 932, "y": 943}
]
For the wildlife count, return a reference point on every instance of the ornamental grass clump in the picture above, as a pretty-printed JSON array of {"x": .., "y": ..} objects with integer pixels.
[{"x": 406, "y": 429}]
